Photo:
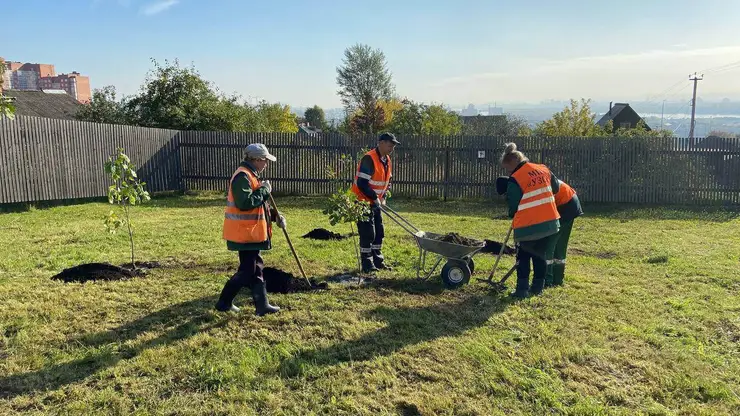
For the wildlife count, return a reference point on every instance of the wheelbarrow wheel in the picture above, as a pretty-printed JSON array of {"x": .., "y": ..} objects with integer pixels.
[{"x": 455, "y": 274}]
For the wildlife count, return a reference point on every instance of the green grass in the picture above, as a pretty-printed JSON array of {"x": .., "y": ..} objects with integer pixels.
[{"x": 648, "y": 322}]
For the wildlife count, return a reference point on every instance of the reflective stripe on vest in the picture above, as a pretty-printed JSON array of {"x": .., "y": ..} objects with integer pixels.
[
  {"x": 380, "y": 179},
  {"x": 245, "y": 226},
  {"x": 565, "y": 194},
  {"x": 538, "y": 202}
]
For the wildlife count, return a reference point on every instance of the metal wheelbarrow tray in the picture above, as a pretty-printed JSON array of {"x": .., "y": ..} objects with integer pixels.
[{"x": 459, "y": 267}]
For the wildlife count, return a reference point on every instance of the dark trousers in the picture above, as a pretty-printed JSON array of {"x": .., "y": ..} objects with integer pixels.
[
  {"x": 248, "y": 273},
  {"x": 371, "y": 239},
  {"x": 540, "y": 252}
]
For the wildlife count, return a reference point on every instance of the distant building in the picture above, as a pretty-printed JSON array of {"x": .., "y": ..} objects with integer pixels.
[
  {"x": 48, "y": 104},
  {"x": 495, "y": 111},
  {"x": 35, "y": 77},
  {"x": 622, "y": 116},
  {"x": 469, "y": 111},
  {"x": 76, "y": 85}
]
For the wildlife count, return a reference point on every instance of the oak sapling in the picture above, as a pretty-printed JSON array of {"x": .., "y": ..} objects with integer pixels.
[{"x": 126, "y": 191}]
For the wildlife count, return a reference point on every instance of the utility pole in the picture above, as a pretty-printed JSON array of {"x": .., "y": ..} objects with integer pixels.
[
  {"x": 662, "y": 110},
  {"x": 695, "y": 78}
]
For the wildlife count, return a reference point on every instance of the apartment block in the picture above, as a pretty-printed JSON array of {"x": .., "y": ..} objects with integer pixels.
[{"x": 34, "y": 77}]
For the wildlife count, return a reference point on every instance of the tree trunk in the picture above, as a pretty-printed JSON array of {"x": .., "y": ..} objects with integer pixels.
[{"x": 130, "y": 235}]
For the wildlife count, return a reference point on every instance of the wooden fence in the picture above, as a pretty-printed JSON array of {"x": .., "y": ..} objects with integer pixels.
[{"x": 615, "y": 170}]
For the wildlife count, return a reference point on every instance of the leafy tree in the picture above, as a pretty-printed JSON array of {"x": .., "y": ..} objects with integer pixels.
[
  {"x": 363, "y": 122},
  {"x": 275, "y": 118},
  {"x": 421, "y": 119},
  {"x": 315, "y": 117},
  {"x": 498, "y": 125},
  {"x": 125, "y": 191},
  {"x": 364, "y": 80},
  {"x": 343, "y": 207},
  {"x": 437, "y": 120},
  {"x": 174, "y": 97},
  {"x": 638, "y": 131},
  {"x": 103, "y": 108},
  {"x": 576, "y": 120}
]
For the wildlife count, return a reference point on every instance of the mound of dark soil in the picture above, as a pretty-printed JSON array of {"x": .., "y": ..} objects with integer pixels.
[
  {"x": 456, "y": 238},
  {"x": 104, "y": 271},
  {"x": 323, "y": 234},
  {"x": 94, "y": 271},
  {"x": 494, "y": 247},
  {"x": 278, "y": 281}
]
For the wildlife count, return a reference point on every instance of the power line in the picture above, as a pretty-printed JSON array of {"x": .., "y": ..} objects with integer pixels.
[{"x": 721, "y": 67}]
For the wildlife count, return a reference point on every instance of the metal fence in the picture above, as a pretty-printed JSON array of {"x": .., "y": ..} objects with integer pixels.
[{"x": 56, "y": 159}]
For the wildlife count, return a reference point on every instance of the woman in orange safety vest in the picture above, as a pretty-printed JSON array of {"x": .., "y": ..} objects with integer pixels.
[{"x": 531, "y": 193}]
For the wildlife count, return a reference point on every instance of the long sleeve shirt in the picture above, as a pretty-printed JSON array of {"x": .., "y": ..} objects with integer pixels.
[{"x": 367, "y": 170}]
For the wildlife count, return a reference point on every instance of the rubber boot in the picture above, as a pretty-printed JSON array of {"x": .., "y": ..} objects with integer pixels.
[
  {"x": 522, "y": 287},
  {"x": 367, "y": 264},
  {"x": 379, "y": 261},
  {"x": 558, "y": 271},
  {"x": 538, "y": 285},
  {"x": 261, "y": 305},
  {"x": 228, "y": 293}
]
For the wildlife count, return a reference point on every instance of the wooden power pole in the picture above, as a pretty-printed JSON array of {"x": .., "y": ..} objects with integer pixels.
[{"x": 696, "y": 79}]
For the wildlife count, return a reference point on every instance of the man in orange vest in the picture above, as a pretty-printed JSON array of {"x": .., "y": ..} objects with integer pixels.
[
  {"x": 371, "y": 183},
  {"x": 530, "y": 192},
  {"x": 248, "y": 229},
  {"x": 569, "y": 208}
]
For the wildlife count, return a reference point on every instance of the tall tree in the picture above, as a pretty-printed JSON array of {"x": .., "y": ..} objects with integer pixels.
[
  {"x": 364, "y": 79},
  {"x": 315, "y": 117},
  {"x": 103, "y": 108}
]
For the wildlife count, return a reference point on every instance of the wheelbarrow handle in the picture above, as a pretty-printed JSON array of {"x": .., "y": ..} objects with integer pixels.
[{"x": 398, "y": 219}]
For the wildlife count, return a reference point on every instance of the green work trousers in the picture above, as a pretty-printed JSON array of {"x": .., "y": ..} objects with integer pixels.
[{"x": 556, "y": 270}]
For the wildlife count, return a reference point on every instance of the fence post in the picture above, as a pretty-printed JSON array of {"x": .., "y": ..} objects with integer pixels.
[{"x": 447, "y": 173}]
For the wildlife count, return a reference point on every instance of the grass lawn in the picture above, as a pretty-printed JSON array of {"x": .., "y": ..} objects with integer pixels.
[{"x": 648, "y": 322}]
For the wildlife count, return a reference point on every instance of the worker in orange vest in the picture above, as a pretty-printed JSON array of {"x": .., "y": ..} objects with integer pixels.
[
  {"x": 569, "y": 208},
  {"x": 371, "y": 183},
  {"x": 248, "y": 229},
  {"x": 531, "y": 193}
]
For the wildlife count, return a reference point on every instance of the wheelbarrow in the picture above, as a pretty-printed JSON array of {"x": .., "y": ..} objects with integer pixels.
[{"x": 459, "y": 266}]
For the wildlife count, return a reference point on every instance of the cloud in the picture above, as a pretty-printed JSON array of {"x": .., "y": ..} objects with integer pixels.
[
  {"x": 628, "y": 76},
  {"x": 596, "y": 63},
  {"x": 158, "y": 7}
]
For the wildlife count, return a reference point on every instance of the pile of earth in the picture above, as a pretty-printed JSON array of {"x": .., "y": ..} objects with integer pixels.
[
  {"x": 104, "y": 271},
  {"x": 456, "y": 238},
  {"x": 278, "y": 281},
  {"x": 324, "y": 234}
]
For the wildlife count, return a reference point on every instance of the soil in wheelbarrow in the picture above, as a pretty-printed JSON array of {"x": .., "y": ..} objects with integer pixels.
[
  {"x": 456, "y": 238},
  {"x": 278, "y": 281},
  {"x": 324, "y": 234},
  {"x": 103, "y": 271}
]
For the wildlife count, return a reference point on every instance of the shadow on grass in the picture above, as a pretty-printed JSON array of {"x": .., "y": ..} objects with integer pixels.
[
  {"x": 403, "y": 327},
  {"x": 175, "y": 322}
]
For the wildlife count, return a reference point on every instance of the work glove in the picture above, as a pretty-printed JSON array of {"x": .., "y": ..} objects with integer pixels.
[
  {"x": 377, "y": 203},
  {"x": 282, "y": 222},
  {"x": 268, "y": 187}
]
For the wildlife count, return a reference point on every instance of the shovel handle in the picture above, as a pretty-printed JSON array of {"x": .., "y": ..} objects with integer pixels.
[
  {"x": 290, "y": 244},
  {"x": 500, "y": 253}
]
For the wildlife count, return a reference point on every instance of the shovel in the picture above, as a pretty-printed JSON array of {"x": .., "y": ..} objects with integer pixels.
[
  {"x": 500, "y": 286},
  {"x": 300, "y": 266}
]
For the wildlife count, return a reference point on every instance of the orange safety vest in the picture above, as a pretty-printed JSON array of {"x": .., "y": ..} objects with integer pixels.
[
  {"x": 565, "y": 194},
  {"x": 538, "y": 203},
  {"x": 378, "y": 182},
  {"x": 245, "y": 226}
]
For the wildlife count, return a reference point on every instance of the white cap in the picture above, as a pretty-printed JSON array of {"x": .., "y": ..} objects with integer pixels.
[{"x": 259, "y": 151}]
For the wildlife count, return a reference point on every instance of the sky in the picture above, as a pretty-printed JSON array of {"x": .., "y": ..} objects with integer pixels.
[{"x": 438, "y": 51}]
